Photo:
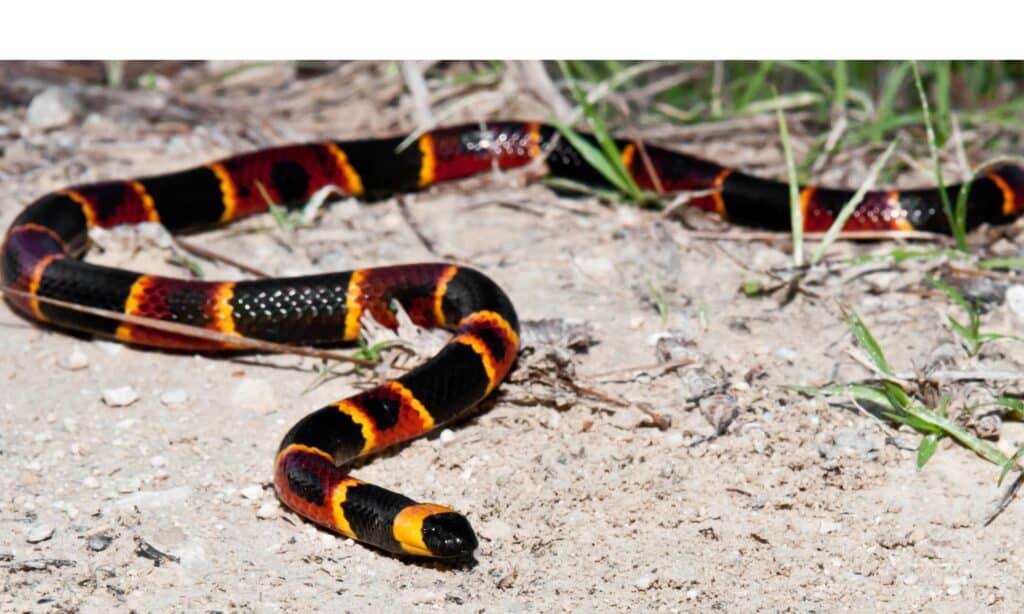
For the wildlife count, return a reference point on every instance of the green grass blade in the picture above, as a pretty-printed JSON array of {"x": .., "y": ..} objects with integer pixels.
[
  {"x": 754, "y": 85},
  {"x": 926, "y": 449},
  {"x": 612, "y": 155},
  {"x": 1001, "y": 263},
  {"x": 796, "y": 218},
  {"x": 1010, "y": 464},
  {"x": 891, "y": 88},
  {"x": 867, "y": 342},
  {"x": 851, "y": 205},
  {"x": 857, "y": 391},
  {"x": 959, "y": 231},
  {"x": 592, "y": 155},
  {"x": 842, "y": 84},
  {"x": 942, "y": 98},
  {"x": 952, "y": 293}
]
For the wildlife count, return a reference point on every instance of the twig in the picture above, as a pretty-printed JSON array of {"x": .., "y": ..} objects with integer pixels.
[
  {"x": 902, "y": 379},
  {"x": 661, "y": 366},
  {"x": 233, "y": 342},
  {"x": 417, "y": 85},
  {"x": 852, "y": 235},
  {"x": 1005, "y": 500},
  {"x": 414, "y": 226},
  {"x": 209, "y": 254},
  {"x": 890, "y": 433}
]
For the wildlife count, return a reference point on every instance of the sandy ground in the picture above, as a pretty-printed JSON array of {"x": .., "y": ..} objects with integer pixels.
[{"x": 751, "y": 498}]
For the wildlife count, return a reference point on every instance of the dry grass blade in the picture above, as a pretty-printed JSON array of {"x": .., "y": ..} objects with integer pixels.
[
  {"x": 234, "y": 342},
  {"x": 848, "y": 208},
  {"x": 209, "y": 254},
  {"x": 417, "y": 85}
]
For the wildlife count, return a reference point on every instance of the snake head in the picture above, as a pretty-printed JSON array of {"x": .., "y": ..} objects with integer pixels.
[
  {"x": 427, "y": 529},
  {"x": 448, "y": 535}
]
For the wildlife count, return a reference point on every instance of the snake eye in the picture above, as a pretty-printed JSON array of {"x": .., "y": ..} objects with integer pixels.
[{"x": 448, "y": 535}]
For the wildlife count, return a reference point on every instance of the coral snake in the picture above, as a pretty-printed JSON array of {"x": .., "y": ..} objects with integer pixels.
[{"x": 43, "y": 246}]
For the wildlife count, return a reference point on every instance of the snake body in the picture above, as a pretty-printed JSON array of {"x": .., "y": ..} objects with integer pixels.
[{"x": 42, "y": 250}]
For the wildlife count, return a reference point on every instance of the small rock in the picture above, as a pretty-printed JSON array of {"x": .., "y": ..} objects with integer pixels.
[
  {"x": 39, "y": 533},
  {"x": 895, "y": 539},
  {"x": 76, "y": 359},
  {"x": 644, "y": 582},
  {"x": 175, "y": 397},
  {"x": 855, "y": 442},
  {"x": 91, "y": 482},
  {"x": 252, "y": 492},
  {"x": 1015, "y": 300},
  {"x": 99, "y": 543},
  {"x": 827, "y": 526},
  {"x": 601, "y": 269},
  {"x": 158, "y": 461},
  {"x": 268, "y": 511},
  {"x": 788, "y": 354},
  {"x": 253, "y": 394},
  {"x": 674, "y": 439},
  {"x": 52, "y": 108},
  {"x": 497, "y": 531},
  {"x": 155, "y": 499},
  {"x": 120, "y": 397},
  {"x": 447, "y": 436}
]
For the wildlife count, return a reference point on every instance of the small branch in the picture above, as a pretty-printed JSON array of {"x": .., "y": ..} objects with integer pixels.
[
  {"x": 232, "y": 342},
  {"x": 209, "y": 254}
]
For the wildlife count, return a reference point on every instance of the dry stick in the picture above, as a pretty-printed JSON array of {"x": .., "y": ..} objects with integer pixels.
[
  {"x": 961, "y": 155},
  {"x": 850, "y": 235},
  {"x": 890, "y": 434},
  {"x": 838, "y": 128},
  {"x": 195, "y": 332},
  {"x": 903, "y": 379},
  {"x": 209, "y": 254},
  {"x": 658, "y": 420},
  {"x": 413, "y": 75},
  {"x": 1008, "y": 496},
  {"x": 955, "y": 270},
  {"x": 414, "y": 226},
  {"x": 663, "y": 366},
  {"x": 648, "y": 165},
  {"x": 682, "y": 199},
  {"x": 537, "y": 79}
]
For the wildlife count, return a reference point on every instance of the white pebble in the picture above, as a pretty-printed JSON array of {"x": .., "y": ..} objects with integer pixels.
[
  {"x": 252, "y": 394},
  {"x": 70, "y": 425},
  {"x": 39, "y": 533},
  {"x": 155, "y": 499},
  {"x": 1015, "y": 300},
  {"x": 252, "y": 492},
  {"x": 787, "y": 354},
  {"x": 827, "y": 526},
  {"x": 644, "y": 582},
  {"x": 52, "y": 108},
  {"x": 674, "y": 439},
  {"x": 120, "y": 397},
  {"x": 268, "y": 511},
  {"x": 76, "y": 360},
  {"x": 175, "y": 397},
  {"x": 91, "y": 482},
  {"x": 447, "y": 436},
  {"x": 158, "y": 461}
]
